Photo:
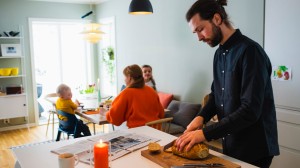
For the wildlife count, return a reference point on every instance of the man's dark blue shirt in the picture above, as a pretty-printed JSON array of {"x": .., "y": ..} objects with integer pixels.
[{"x": 242, "y": 97}]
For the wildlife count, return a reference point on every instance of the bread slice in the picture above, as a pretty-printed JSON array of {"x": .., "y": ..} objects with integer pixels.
[{"x": 154, "y": 147}]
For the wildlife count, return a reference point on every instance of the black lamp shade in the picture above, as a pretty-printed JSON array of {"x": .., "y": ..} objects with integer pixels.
[{"x": 140, "y": 7}]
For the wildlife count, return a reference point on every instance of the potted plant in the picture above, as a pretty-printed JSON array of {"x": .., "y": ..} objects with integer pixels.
[{"x": 108, "y": 58}]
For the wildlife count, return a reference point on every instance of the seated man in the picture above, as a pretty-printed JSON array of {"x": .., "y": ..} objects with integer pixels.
[{"x": 65, "y": 104}]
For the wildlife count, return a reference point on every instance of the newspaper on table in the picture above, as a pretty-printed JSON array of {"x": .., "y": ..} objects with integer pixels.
[{"x": 121, "y": 141}]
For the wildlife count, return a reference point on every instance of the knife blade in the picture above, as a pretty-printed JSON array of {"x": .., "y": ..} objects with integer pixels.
[
  {"x": 169, "y": 145},
  {"x": 199, "y": 165},
  {"x": 204, "y": 164}
]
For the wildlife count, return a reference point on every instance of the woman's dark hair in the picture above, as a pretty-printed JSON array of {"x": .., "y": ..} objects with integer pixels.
[
  {"x": 152, "y": 79},
  {"x": 135, "y": 72},
  {"x": 207, "y": 9}
]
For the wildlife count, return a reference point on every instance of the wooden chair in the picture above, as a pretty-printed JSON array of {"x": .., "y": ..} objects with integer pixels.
[
  {"x": 205, "y": 100},
  {"x": 52, "y": 111},
  {"x": 161, "y": 124}
]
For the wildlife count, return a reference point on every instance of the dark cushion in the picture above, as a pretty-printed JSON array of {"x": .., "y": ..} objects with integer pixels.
[
  {"x": 176, "y": 129},
  {"x": 182, "y": 112}
]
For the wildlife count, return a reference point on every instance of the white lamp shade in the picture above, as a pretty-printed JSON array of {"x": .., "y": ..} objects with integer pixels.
[{"x": 92, "y": 32}]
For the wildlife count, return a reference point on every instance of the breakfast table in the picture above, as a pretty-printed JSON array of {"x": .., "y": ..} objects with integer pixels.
[{"x": 39, "y": 155}]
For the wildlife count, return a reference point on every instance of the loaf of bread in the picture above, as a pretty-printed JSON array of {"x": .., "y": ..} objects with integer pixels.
[{"x": 198, "y": 151}]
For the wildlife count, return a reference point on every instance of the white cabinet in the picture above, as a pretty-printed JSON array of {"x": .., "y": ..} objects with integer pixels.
[
  {"x": 13, "y": 106},
  {"x": 12, "y": 75}
]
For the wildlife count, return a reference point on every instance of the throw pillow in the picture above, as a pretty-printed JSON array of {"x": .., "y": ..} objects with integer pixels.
[
  {"x": 183, "y": 112},
  {"x": 165, "y": 99}
]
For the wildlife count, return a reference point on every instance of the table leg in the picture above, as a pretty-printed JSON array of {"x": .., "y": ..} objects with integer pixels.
[
  {"x": 94, "y": 128},
  {"x": 113, "y": 127},
  {"x": 52, "y": 126}
]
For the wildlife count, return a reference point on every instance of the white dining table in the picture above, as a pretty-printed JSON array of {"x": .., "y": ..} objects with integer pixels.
[{"x": 35, "y": 156}]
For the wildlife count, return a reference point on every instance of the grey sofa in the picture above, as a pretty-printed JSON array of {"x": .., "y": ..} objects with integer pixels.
[{"x": 183, "y": 113}]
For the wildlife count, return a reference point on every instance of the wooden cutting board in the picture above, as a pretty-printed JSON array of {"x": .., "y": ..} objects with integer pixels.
[{"x": 167, "y": 160}]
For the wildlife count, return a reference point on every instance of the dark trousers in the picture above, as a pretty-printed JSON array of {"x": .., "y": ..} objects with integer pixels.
[
  {"x": 82, "y": 130},
  {"x": 264, "y": 162}
]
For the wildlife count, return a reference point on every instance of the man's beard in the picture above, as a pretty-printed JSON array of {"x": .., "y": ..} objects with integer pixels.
[{"x": 217, "y": 36}]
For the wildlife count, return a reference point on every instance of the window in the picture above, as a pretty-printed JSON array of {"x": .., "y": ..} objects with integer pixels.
[
  {"x": 60, "y": 55},
  {"x": 107, "y": 58}
]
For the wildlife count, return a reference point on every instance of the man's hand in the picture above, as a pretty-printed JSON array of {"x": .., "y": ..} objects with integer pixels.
[
  {"x": 197, "y": 123},
  {"x": 189, "y": 139}
]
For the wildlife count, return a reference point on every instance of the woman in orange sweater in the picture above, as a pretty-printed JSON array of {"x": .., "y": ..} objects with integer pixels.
[{"x": 137, "y": 103}]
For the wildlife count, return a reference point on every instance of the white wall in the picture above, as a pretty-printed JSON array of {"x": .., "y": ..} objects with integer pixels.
[
  {"x": 181, "y": 64},
  {"x": 281, "y": 43}
]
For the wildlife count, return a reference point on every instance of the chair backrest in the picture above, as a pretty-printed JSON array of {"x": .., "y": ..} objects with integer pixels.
[
  {"x": 69, "y": 125},
  {"x": 161, "y": 124},
  {"x": 205, "y": 100},
  {"x": 51, "y": 98}
]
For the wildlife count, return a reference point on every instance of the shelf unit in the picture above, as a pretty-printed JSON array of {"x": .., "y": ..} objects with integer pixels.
[{"x": 13, "y": 105}]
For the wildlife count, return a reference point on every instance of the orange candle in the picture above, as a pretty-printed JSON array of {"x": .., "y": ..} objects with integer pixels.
[{"x": 101, "y": 155}]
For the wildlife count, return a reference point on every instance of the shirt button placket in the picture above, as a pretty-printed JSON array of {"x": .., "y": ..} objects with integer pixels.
[{"x": 223, "y": 72}]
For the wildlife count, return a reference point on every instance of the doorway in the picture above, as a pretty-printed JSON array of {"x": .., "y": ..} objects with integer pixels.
[{"x": 59, "y": 55}]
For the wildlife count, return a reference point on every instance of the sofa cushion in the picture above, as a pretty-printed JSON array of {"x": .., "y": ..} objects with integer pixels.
[
  {"x": 183, "y": 112},
  {"x": 176, "y": 129},
  {"x": 165, "y": 99}
]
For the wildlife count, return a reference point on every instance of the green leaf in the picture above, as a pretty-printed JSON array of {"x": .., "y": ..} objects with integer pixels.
[{"x": 283, "y": 68}]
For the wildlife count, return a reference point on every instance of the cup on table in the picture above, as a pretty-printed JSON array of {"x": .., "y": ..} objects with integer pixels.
[
  {"x": 102, "y": 111},
  {"x": 107, "y": 104},
  {"x": 67, "y": 160}
]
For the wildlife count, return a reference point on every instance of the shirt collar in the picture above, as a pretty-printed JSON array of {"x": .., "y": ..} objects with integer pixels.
[{"x": 231, "y": 40}]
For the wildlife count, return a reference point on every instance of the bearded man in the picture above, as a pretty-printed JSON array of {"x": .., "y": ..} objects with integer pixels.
[{"x": 241, "y": 92}]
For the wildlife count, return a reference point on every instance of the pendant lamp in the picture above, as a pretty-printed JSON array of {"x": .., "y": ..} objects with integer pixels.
[
  {"x": 92, "y": 32},
  {"x": 140, "y": 7}
]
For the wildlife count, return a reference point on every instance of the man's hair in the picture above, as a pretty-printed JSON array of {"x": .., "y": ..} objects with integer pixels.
[
  {"x": 61, "y": 89},
  {"x": 207, "y": 9},
  {"x": 135, "y": 72}
]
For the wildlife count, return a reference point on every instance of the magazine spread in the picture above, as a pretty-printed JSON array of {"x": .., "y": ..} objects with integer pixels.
[{"x": 121, "y": 141}]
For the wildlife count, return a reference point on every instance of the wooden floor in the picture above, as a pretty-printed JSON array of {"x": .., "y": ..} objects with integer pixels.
[{"x": 25, "y": 136}]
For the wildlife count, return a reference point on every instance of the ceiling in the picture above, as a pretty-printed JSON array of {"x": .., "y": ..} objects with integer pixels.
[{"x": 75, "y": 1}]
